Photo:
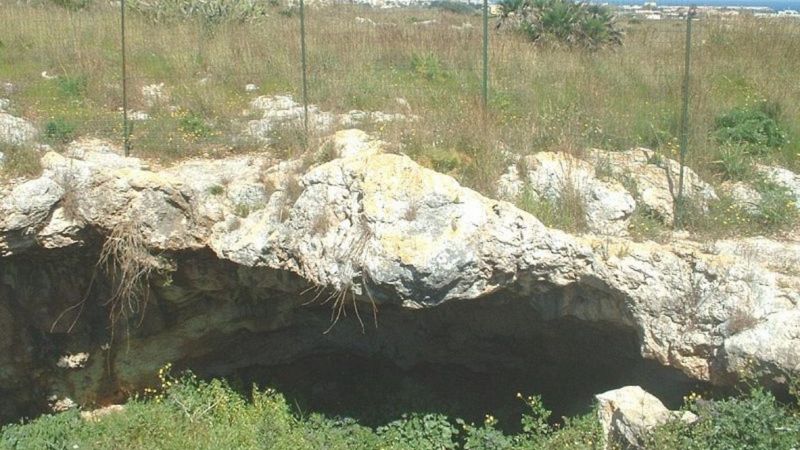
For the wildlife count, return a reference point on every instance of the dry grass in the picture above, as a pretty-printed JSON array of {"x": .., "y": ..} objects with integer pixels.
[
  {"x": 541, "y": 98},
  {"x": 20, "y": 161}
]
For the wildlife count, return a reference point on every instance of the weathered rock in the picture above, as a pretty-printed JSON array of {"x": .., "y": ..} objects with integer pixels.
[
  {"x": 75, "y": 361},
  {"x": 15, "y": 131},
  {"x": 155, "y": 95},
  {"x": 4, "y": 104},
  {"x": 654, "y": 178},
  {"x": 98, "y": 414},
  {"x": 561, "y": 177},
  {"x": 629, "y": 413},
  {"x": 233, "y": 244},
  {"x": 282, "y": 111},
  {"x": 784, "y": 178},
  {"x": 138, "y": 116},
  {"x": 743, "y": 195}
]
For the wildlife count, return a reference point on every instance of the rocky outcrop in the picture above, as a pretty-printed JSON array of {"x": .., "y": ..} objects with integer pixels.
[
  {"x": 628, "y": 414},
  {"x": 281, "y": 112},
  {"x": 218, "y": 262},
  {"x": 14, "y": 130},
  {"x": 610, "y": 185}
]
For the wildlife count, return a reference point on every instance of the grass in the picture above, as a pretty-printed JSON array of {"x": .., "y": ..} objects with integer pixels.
[
  {"x": 542, "y": 98},
  {"x": 186, "y": 412},
  {"x": 20, "y": 161}
]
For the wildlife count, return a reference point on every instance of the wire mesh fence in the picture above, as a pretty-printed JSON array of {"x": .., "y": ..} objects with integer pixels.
[{"x": 201, "y": 84}]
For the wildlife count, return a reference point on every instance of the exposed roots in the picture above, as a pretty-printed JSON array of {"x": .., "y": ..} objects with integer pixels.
[
  {"x": 352, "y": 266},
  {"x": 129, "y": 265}
]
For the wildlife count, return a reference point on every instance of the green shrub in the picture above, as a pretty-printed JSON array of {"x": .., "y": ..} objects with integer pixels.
[
  {"x": 563, "y": 22},
  {"x": 194, "y": 126},
  {"x": 734, "y": 162},
  {"x": 206, "y": 11},
  {"x": 418, "y": 431},
  {"x": 59, "y": 130},
  {"x": 756, "y": 129},
  {"x": 73, "y": 5},
  {"x": 777, "y": 209},
  {"x": 74, "y": 87},
  {"x": 428, "y": 66},
  {"x": 754, "y": 421}
]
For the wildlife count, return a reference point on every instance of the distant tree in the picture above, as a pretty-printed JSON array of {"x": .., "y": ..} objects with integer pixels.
[{"x": 565, "y": 22}]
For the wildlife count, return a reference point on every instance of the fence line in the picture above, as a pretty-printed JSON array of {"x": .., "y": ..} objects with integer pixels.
[{"x": 679, "y": 201}]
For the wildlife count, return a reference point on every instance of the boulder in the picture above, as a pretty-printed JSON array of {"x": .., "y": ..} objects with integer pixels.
[
  {"x": 653, "y": 180},
  {"x": 628, "y": 414},
  {"x": 784, "y": 178},
  {"x": 155, "y": 95},
  {"x": 282, "y": 111},
  {"x": 557, "y": 177},
  {"x": 15, "y": 131}
]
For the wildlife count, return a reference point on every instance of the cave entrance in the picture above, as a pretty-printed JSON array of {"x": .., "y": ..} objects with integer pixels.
[{"x": 465, "y": 360}]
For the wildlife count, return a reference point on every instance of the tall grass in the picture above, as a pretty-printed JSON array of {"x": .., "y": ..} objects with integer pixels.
[{"x": 542, "y": 98}]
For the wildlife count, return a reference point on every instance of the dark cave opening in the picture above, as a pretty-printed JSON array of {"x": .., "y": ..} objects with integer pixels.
[{"x": 462, "y": 360}]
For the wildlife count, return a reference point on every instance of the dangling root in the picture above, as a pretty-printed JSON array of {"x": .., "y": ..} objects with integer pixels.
[{"x": 130, "y": 265}]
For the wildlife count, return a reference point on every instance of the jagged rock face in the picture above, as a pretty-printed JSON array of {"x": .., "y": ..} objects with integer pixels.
[
  {"x": 281, "y": 111},
  {"x": 235, "y": 248},
  {"x": 610, "y": 184},
  {"x": 14, "y": 130}
]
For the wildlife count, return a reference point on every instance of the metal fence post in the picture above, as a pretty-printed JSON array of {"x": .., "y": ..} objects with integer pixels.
[
  {"x": 303, "y": 62},
  {"x": 485, "y": 87},
  {"x": 679, "y": 204},
  {"x": 125, "y": 127}
]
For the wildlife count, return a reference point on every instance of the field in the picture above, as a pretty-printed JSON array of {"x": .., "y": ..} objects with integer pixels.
[{"x": 541, "y": 97}]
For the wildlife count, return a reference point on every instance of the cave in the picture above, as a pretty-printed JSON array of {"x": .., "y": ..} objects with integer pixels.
[{"x": 268, "y": 328}]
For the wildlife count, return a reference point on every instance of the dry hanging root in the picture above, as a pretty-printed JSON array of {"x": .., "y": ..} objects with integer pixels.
[{"x": 129, "y": 264}]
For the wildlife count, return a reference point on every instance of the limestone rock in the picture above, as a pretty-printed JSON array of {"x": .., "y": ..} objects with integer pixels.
[
  {"x": 561, "y": 177},
  {"x": 4, "y": 104},
  {"x": 155, "y": 95},
  {"x": 743, "y": 195},
  {"x": 15, "y": 131},
  {"x": 654, "y": 178},
  {"x": 629, "y": 413},
  {"x": 252, "y": 233},
  {"x": 282, "y": 111},
  {"x": 73, "y": 361},
  {"x": 784, "y": 178},
  {"x": 98, "y": 414}
]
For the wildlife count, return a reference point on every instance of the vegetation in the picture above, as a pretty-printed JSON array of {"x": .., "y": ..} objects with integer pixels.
[
  {"x": 186, "y": 412},
  {"x": 205, "y": 11},
  {"x": 19, "y": 161},
  {"x": 745, "y": 107},
  {"x": 754, "y": 420},
  {"x": 755, "y": 128},
  {"x": 566, "y": 22}
]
